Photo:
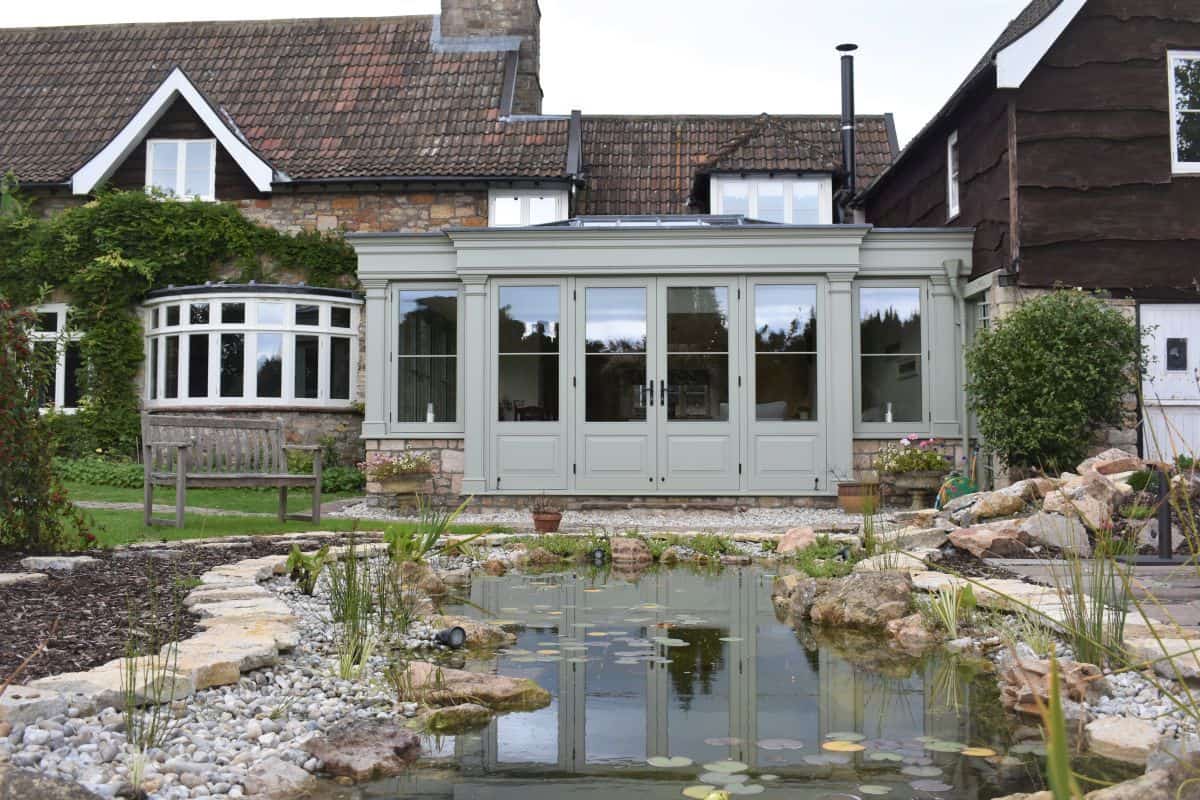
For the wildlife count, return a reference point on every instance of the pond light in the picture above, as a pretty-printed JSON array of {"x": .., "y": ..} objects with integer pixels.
[{"x": 453, "y": 638}]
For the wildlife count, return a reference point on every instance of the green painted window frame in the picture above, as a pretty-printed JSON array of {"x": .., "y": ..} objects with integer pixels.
[
  {"x": 895, "y": 429},
  {"x": 395, "y": 426}
]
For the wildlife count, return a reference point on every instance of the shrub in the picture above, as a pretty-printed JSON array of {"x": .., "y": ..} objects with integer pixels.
[
  {"x": 910, "y": 455},
  {"x": 341, "y": 480},
  {"x": 97, "y": 471},
  {"x": 1044, "y": 377}
]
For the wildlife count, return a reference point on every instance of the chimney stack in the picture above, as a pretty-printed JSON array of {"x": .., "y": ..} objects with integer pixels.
[
  {"x": 489, "y": 19},
  {"x": 848, "y": 119}
]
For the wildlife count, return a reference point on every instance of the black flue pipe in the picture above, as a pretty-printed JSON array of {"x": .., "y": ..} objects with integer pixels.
[{"x": 848, "y": 118}]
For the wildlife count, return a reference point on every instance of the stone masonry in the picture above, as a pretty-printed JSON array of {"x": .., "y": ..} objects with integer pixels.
[{"x": 363, "y": 212}]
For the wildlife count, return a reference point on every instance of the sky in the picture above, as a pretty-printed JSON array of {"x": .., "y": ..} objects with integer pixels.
[{"x": 681, "y": 56}]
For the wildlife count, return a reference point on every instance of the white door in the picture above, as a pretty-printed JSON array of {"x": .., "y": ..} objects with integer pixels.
[{"x": 1171, "y": 383}]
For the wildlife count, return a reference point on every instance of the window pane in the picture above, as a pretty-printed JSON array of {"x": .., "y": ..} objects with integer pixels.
[
  {"x": 890, "y": 320},
  {"x": 528, "y": 319},
  {"x": 1187, "y": 99},
  {"x": 770, "y": 201},
  {"x": 308, "y": 315},
  {"x": 528, "y": 387},
  {"x": 172, "y": 315},
  {"x": 233, "y": 364},
  {"x": 171, "y": 379},
  {"x": 306, "y": 365},
  {"x": 616, "y": 387},
  {"x": 233, "y": 313},
  {"x": 697, "y": 319},
  {"x": 72, "y": 374},
  {"x": 154, "y": 369},
  {"x": 46, "y": 354},
  {"x": 339, "y": 317},
  {"x": 199, "y": 314},
  {"x": 735, "y": 197},
  {"x": 427, "y": 384},
  {"x": 806, "y": 203},
  {"x": 270, "y": 313},
  {"x": 506, "y": 211},
  {"x": 269, "y": 364},
  {"x": 891, "y": 384},
  {"x": 164, "y": 162},
  {"x": 785, "y": 387},
  {"x": 198, "y": 169},
  {"x": 543, "y": 209},
  {"x": 615, "y": 320},
  {"x": 339, "y": 368},
  {"x": 428, "y": 322},
  {"x": 785, "y": 318},
  {"x": 47, "y": 322},
  {"x": 154, "y": 318},
  {"x": 1188, "y": 137},
  {"x": 198, "y": 364},
  {"x": 698, "y": 387}
]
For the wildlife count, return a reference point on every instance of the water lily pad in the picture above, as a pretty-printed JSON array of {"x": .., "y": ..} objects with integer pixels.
[
  {"x": 699, "y": 791},
  {"x": 979, "y": 752},
  {"x": 841, "y": 746},
  {"x": 596, "y": 633},
  {"x": 547, "y": 652},
  {"x": 817, "y": 761},
  {"x": 723, "y": 778},
  {"x": 845, "y": 736},
  {"x": 667, "y": 641},
  {"x": 930, "y": 786},
  {"x": 1037, "y": 748},
  {"x": 781, "y": 744},
  {"x": 524, "y": 659},
  {"x": 839, "y": 758},
  {"x": 594, "y": 589},
  {"x": 723, "y": 741},
  {"x": 744, "y": 788},
  {"x": 726, "y": 766},
  {"x": 731, "y": 638},
  {"x": 940, "y": 746},
  {"x": 922, "y": 772},
  {"x": 883, "y": 756},
  {"x": 669, "y": 761},
  {"x": 768, "y": 777},
  {"x": 627, "y": 661},
  {"x": 874, "y": 788}
]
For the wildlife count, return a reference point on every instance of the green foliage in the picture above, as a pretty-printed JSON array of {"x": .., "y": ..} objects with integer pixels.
[
  {"x": 96, "y": 471},
  {"x": 1058, "y": 753},
  {"x": 107, "y": 253},
  {"x": 342, "y": 480},
  {"x": 306, "y": 569},
  {"x": 711, "y": 545},
  {"x": 569, "y": 546},
  {"x": 413, "y": 544},
  {"x": 1047, "y": 375},
  {"x": 825, "y": 558},
  {"x": 1095, "y": 597},
  {"x": 1140, "y": 511},
  {"x": 952, "y": 605},
  {"x": 35, "y": 514},
  {"x": 1143, "y": 481},
  {"x": 910, "y": 455}
]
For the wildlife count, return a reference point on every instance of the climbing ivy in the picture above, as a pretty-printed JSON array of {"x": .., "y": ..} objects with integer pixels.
[{"x": 109, "y": 252}]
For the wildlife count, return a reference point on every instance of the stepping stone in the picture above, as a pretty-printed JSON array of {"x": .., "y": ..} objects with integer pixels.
[
  {"x": 13, "y": 578},
  {"x": 56, "y": 563}
]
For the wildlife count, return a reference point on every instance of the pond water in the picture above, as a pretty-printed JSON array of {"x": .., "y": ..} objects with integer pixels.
[{"x": 695, "y": 666}]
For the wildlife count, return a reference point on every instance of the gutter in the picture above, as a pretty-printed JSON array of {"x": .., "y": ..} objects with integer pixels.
[{"x": 953, "y": 269}]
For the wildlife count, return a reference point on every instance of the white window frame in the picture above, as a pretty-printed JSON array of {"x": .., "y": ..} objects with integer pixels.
[
  {"x": 953, "y": 183},
  {"x": 824, "y": 185},
  {"x": 524, "y": 195},
  {"x": 181, "y": 167},
  {"x": 395, "y": 426},
  {"x": 156, "y": 339},
  {"x": 1179, "y": 167},
  {"x": 61, "y": 336}
]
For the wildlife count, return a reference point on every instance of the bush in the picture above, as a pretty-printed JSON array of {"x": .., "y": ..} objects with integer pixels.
[
  {"x": 97, "y": 471},
  {"x": 341, "y": 480},
  {"x": 1042, "y": 379}
]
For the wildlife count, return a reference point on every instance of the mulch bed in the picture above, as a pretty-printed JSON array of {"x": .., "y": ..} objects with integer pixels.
[{"x": 95, "y": 604}]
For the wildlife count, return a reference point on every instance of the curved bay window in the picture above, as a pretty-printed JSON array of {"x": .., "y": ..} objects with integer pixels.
[{"x": 251, "y": 346}]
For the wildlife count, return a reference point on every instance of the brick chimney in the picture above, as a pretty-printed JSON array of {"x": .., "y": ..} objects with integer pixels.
[{"x": 483, "y": 19}]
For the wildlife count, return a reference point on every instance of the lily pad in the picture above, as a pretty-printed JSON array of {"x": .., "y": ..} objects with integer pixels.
[
  {"x": 627, "y": 661},
  {"x": 669, "y": 761},
  {"x": 723, "y": 741},
  {"x": 894, "y": 757},
  {"x": 841, "y": 746},
  {"x": 667, "y": 641},
  {"x": 979, "y": 752},
  {"x": 930, "y": 786},
  {"x": 731, "y": 639},
  {"x": 940, "y": 746},
  {"x": 1037, "y": 748},
  {"x": 845, "y": 736},
  {"x": 726, "y": 766},
  {"x": 723, "y": 778},
  {"x": 781, "y": 744},
  {"x": 744, "y": 788},
  {"x": 768, "y": 777},
  {"x": 922, "y": 772},
  {"x": 699, "y": 791},
  {"x": 874, "y": 788},
  {"x": 817, "y": 761}
]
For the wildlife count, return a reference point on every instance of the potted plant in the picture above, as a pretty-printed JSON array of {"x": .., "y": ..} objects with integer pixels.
[
  {"x": 398, "y": 473},
  {"x": 913, "y": 465},
  {"x": 546, "y": 516}
]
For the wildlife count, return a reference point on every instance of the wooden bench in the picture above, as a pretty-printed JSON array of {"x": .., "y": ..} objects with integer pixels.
[{"x": 218, "y": 452}]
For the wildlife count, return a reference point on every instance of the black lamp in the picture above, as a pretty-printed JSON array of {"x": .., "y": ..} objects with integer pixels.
[{"x": 453, "y": 638}]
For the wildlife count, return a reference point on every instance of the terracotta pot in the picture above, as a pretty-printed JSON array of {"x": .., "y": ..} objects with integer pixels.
[
  {"x": 408, "y": 484},
  {"x": 546, "y": 521},
  {"x": 852, "y": 496}
]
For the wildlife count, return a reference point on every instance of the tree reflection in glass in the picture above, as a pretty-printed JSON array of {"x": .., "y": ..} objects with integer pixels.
[
  {"x": 785, "y": 374},
  {"x": 615, "y": 354},
  {"x": 528, "y": 338},
  {"x": 698, "y": 353},
  {"x": 890, "y": 347}
]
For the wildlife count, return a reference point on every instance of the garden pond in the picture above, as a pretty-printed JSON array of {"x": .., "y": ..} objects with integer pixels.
[{"x": 680, "y": 679}]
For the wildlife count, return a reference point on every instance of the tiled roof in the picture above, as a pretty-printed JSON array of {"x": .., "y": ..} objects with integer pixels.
[
  {"x": 649, "y": 165},
  {"x": 321, "y": 98}
]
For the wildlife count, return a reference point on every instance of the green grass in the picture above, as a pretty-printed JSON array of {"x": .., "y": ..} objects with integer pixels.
[
  {"x": 251, "y": 501},
  {"x": 820, "y": 559}
]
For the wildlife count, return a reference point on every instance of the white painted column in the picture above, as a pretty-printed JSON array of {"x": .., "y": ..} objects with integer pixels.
[
  {"x": 839, "y": 354},
  {"x": 375, "y": 412},
  {"x": 475, "y": 389}
]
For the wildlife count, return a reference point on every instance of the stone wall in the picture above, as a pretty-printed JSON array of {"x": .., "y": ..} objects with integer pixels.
[{"x": 362, "y": 212}]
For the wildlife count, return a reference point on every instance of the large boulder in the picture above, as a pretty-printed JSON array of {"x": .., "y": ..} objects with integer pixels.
[
  {"x": 539, "y": 557},
  {"x": 276, "y": 779},
  {"x": 1177, "y": 659},
  {"x": 442, "y": 686},
  {"x": 795, "y": 540},
  {"x": 364, "y": 750},
  {"x": 998, "y": 504},
  {"x": 864, "y": 600},
  {"x": 1153, "y": 785},
  {"x": 1110, "y": 462},
  {"x": 479, "y": 633},
  {"x": 458, "y": 719},
  {"x": 1067, "y": 534},
  {"x": 1092, "y": 512},
  {"x": 796, "y": 593},
  {"x": 991, "y": 541},
  {"x": 1122, "y": 738},
  {"x": 1023, "y": 682},
  {"x": 628, "y": 551}
]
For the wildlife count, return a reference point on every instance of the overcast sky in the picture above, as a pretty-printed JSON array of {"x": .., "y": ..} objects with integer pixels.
[{"x": 681, "y": 56}]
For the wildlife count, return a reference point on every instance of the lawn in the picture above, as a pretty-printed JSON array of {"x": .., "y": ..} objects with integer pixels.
[{"x": 250, "y": 501}]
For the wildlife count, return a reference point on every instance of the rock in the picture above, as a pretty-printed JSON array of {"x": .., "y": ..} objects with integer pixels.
[
  {"x": 277, "y": 779},
  {"x": 795, "y": 539},
  {"x": 540, "y": 557},
  {"x": 1112, "y": 460},
  {"x": 1055, "y": 530},
  {"x": 1093, "y": 513},
  {"x": 1184, "y": 661},
  {"x": 1154, "y": 785},
  {"x": 20, "y": 784},
  {"x": 627, "y": 550},
  {"x": 911, "y": 634},
  {"x": 670, "y": 556},
  {"x": 1125, "y": 739},
  {"x": 962, "y": 502},
  {"x": 895, "y": 561},
  {"x": 1119, "y": 465},
  {"x": 26, "y": 704},
  {"x": 736, "y": 559},
  {"x": 479, "y": 633},
  {"x": 494, "y": 567},
  {"x": 991, "y": 541},
  {"x": 56, "y": 563},
  {"x": 802, "y": 593},
  {"x": 458, "y": 719},
  {"x": 12, "y": 578},
  {"x": 997, "y": 504},
  {"x": 365, "y": 750},
  {"x": 442, "y": 686},
  {"x": 906, "y": 538},
  {"x": 1023, "y": 680},
  {"x": 863, "y": 600}
]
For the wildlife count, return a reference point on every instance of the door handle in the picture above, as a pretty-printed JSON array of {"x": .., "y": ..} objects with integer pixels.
[
  {"x": 662, "y": 393},
  {"x": 650, "y": 389}
]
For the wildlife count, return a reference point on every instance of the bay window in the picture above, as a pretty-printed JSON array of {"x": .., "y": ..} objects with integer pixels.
[{"x": 891, "y": 354}]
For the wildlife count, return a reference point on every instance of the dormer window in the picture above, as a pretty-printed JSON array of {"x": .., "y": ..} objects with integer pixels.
[
  {"x": 516, "y": 208},
  {"x": 796, "y": 201},
  {"x": 183, "y": 168}
]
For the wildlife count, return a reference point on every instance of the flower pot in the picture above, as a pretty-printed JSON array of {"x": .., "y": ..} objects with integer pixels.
[
  {"x": 922, "y": 484},
  {"x": 546, "y": 521},
  {"x": 852, "y": 496},
  {"x": 406, "y": 484}
]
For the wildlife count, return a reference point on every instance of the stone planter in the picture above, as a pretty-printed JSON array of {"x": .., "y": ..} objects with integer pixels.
[
  {"x": 404, "y": 485},
  {"x": 546, "y": 521},
  {"x": 922, "y": 484}
]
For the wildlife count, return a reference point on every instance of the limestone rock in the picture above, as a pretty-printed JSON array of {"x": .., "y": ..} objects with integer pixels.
[
  {"x": 962, "y": 502},
  {"x": 863, "y": 600},
  {"x": 20, "y": 784},
  {"x": 991, "y": 541},
  {"x": 895, "y": 561},
  {"x": 28, "y": 704},
  {"x": 1023, "y": 680},
  {"x": 997, "y": 504},
  {"x": 494, "y": 567},
  {"x": 1122, "y": 738},
  {"x": 1184, "y": 661},
  {"x": 12, "y": 578},
  {"x": 1056, "y": 530},
  {"x": 441, "y": 686},
  {"x": 56, "y": 563},
  {"x": 795, "y": 540},
  {"x": 1154, "y": 785},
  {"x": 629, "y": 551},
  {"x": 365, "y": 750},
  {"x": 276, "y": 779},
  {"x": 458, "y": 719},
  {"x": 479, "y": 633},
  {"x": 1112, "y": 460},
  {"x": 540, "y": 557},
  {"x": 911, "y": 634},
  {"x": 804, "y": 592},
  {"x": 905, "y": 538},
  {"x": 1092, "y": 512}
]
